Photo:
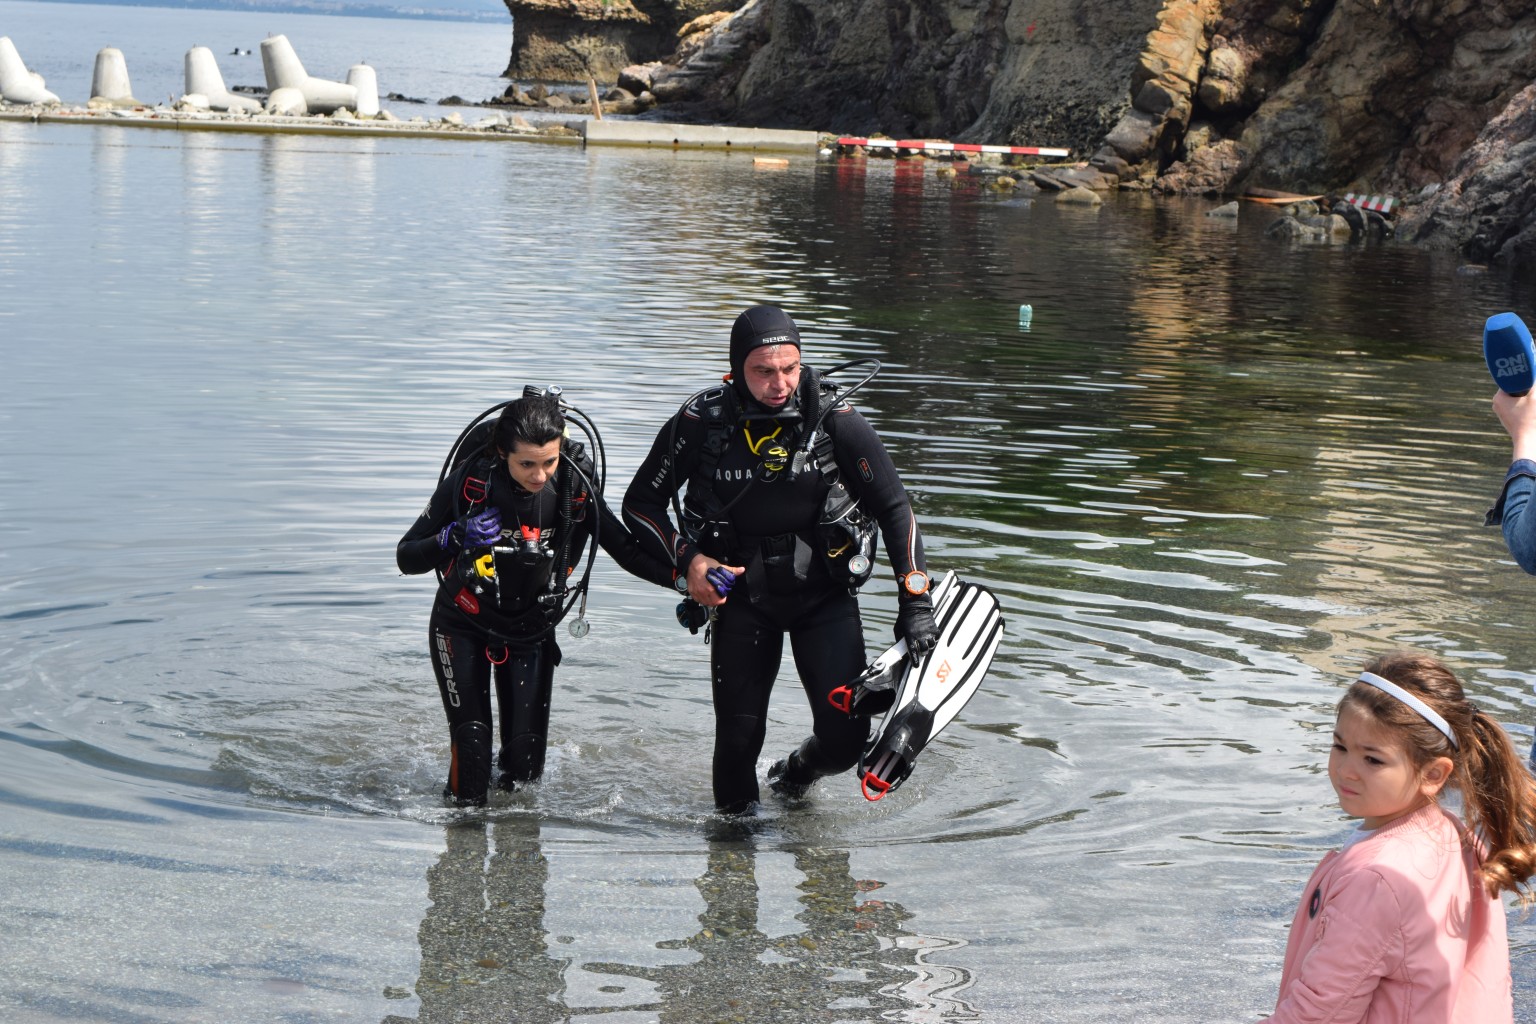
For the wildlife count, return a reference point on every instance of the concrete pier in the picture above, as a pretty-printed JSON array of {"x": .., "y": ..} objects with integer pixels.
[
  {"x": 695, "y": 136},
  {"x": 717, "y": 138}
]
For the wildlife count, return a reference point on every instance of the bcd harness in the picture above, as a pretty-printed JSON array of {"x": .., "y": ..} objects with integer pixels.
[
  {"x": 539, "y": 563},
  {"x": 843, "y": 536}
]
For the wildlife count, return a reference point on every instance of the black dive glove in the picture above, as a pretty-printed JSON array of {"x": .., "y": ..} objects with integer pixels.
[{"x": 915, "y": 625}]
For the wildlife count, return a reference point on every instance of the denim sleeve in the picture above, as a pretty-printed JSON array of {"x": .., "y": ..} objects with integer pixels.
[{"x": 1514, "y": 513}]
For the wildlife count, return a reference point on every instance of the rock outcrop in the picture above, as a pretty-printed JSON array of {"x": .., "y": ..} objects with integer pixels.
[
  {"x": 569, "y": 40},
  {"x": 1313, "y": 95},
  {"x": 1029, "y": 72},
  {"x": 1187, "y": 96},
  {"x": 1487, "y": 210}
]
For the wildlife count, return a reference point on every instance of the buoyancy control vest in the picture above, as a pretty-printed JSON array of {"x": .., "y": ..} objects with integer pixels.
[
  {"x": 842, "y": 537},
  {"x": 519, "y": 588}
]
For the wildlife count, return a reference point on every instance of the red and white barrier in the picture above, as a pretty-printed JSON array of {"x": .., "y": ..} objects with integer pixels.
[
  {"x": 954, "y": 147},
  {"x": 1381, "y": 204}
]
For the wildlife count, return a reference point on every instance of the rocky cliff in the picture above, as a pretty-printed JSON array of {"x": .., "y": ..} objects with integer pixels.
[
  {"x": 1030, "y": 71},
  {"x": 1424, "y": 99},
  {"x": 568, "y": 40}
]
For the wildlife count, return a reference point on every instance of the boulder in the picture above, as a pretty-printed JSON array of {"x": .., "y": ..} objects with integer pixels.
[
  {"x": 1223, "y": 82},
  {"x": 1075, "y": 175},
  {"x": 637, "y": 77},
  {"x": 1209, "y": 170},
  {"x": 1286, "y": 228},
  {"x": 1351, "y": 214},
  {"x": 1136, "y": 136},
  {"x": 1108, "y": 162},
  {"x": 1079, "y": 196}
]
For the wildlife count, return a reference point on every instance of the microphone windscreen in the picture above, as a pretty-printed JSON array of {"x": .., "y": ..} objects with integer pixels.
[{"x": 1507, "y": 347}]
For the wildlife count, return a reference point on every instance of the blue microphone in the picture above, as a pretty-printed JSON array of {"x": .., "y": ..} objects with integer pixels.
[{"x": 1507, "y": 347}]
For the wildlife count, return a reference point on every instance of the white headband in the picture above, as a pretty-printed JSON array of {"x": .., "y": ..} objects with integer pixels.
[{"x": 1418, "y": 705}]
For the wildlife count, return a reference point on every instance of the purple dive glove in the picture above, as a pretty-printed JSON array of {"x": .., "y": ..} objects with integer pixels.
[
  {"x": 722, "y": 579},
  {"x": 471, "y": 531}
]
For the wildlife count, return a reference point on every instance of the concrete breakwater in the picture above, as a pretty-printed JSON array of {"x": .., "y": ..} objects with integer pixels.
[
  {"x": 453, "y": 126},
  {"x": 300, "y": 103}
]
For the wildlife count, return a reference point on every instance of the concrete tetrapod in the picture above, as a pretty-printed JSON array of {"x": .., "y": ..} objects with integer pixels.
[
  {"x": 362, "y": 78},
  {"x": 204, "y": 79},
  {"x": 284, "y": 71},
  {"x": 109, "y": 80},
  {"x": 17, "y": 84}
]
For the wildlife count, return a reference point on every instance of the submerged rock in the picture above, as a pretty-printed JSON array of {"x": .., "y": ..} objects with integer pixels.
[{"x": 1079, "y": 196}]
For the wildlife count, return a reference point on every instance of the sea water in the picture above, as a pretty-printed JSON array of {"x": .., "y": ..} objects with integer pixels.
[{"x": 1216, "y": 474}]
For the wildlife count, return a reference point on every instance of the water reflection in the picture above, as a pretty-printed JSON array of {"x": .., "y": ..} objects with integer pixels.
[{"x": 486, "y": 950}]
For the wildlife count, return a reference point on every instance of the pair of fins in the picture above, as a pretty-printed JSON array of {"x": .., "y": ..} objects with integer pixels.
[{"x": 920, "y": 697}]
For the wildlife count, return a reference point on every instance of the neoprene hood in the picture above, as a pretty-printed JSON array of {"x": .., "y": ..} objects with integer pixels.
[{"x": 759, "y": 326}]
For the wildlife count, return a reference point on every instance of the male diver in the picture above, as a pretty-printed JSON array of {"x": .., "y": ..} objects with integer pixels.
[
  {"x": 505, "y": 531},
  {"x": 785, "y": 483}
]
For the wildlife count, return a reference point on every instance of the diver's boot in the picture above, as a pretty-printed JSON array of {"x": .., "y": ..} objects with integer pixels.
[
  {"x": 469, "y": 770},
  {"x": 789, "y": 778}
]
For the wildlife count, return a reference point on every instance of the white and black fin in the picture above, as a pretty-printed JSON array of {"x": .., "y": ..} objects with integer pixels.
[
  {"x": 875, "y": 689},
  {"x": 930, "y": 694}
]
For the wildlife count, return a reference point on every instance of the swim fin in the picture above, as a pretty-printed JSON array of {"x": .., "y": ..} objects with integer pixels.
[
  {"x": 874, "y": 691},
  {"x": 928, "y": 695}
]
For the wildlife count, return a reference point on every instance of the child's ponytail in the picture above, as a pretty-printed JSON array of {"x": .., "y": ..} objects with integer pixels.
[
  {"x": 1498, "y": 792},
  {"x": 1499, "y": 797}
]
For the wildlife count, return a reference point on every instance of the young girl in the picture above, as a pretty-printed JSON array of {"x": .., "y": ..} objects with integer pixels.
[{"x": 1404, "y": 923}]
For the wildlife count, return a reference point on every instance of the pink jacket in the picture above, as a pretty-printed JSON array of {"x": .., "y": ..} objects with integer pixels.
[{"x": 1398, "y": 929}]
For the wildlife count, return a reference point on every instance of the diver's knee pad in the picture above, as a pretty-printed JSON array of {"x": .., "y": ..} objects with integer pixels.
[{"x": 469, "y": 771}]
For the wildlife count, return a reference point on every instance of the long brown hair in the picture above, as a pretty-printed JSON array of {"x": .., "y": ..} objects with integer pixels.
[{"x": 1498, "y": 793}]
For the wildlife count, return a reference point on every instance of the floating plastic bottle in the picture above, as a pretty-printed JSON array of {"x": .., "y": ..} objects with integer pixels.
[{"x": 1026, "y": 316}]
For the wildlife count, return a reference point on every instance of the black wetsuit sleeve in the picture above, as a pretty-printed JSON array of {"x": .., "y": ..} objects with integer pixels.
[
  {"x": 626, "y": 550},
  {"x": 419, "y": 551},
  {"x": 648, "y": 502},
  {"x": 871, "y": 476}
]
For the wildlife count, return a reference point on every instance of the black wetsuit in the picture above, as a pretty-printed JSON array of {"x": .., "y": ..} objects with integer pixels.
[
  {"x": 470, "y": 633},
  {"x": 787, "y": 587}
]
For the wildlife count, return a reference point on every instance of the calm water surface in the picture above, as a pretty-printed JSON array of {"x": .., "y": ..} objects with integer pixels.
[{"x": 1215, "y": 475}]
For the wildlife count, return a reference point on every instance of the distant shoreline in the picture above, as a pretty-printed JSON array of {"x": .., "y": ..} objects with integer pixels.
[{"x": 330, "y": 8}]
